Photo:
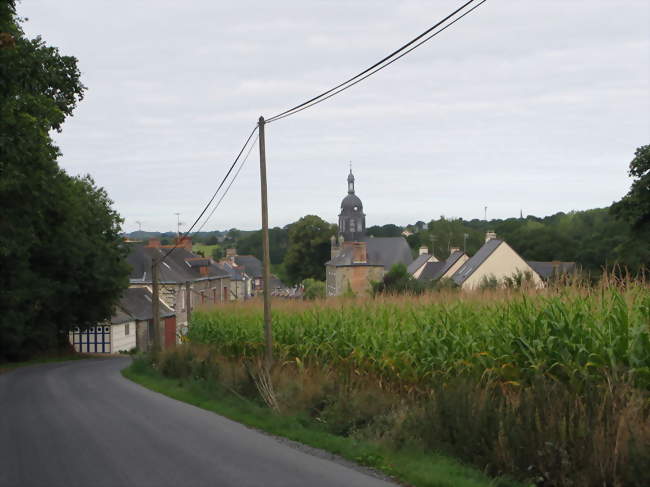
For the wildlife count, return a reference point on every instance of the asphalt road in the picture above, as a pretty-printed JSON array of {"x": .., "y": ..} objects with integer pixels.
[{"x": 82, "y": 424}]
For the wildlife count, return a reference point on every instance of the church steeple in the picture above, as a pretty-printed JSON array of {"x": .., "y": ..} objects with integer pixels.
[
  {"x": 350, "y": 181},
  {"x": 352, "y": 220}
]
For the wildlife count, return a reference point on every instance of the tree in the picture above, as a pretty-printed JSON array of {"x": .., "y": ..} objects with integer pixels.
[
  {"x": 634, "y": 207},
  {"x": 398, "y": 281},
  {"x": 308, "y": 249},
  {"x": 218, "y": 253},
  {"x": 62, "y": 259},
  {"x": 252, "y": 244}
]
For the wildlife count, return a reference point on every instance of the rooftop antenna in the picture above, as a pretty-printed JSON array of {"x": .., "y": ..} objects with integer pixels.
[
  {"x": 178, "y": 226},
  {"x": 485, "y": 210}
]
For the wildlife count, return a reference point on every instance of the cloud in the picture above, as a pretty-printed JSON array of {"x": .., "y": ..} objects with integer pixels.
[{"x": 533, "y": 105}]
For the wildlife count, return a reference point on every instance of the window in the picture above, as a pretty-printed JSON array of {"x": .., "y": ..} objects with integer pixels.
[{"x": 126, "y": 329}]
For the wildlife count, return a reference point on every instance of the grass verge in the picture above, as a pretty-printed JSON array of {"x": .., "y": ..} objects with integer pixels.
[{"x": 407, "y": 466}]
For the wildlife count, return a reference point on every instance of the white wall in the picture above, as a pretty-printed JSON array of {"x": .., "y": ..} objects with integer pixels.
[
  {"x": 503, "y": 262},
  {"x": 120, "y": 340}
]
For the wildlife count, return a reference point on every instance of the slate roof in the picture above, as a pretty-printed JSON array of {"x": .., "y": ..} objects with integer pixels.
[
  {"x": 381, "y": 251},
  {"x": 418, "y": 262},
  {"x": 179, "y": 266},
  {"x": 442, "y": 270},
  {"x": 235, "y": 273},
  {"x": 136, "y": 302},
  {"x": 468, "y": 268},
  {"x": 120, "y": 316},
  {"x": 252, "y": 265},
  {"x": 431, "y": 269},
  {"x": 548, "y": 269}
]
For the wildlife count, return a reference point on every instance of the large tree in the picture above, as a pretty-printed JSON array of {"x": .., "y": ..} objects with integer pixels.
[
  {"x": 309, "y": 249},
  {"x": 635, "y": 205},
  {"x": 61, "y": 259}
]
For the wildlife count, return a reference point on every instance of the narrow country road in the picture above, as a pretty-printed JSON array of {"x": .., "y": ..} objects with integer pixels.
[{"x": 82, "y": 424}]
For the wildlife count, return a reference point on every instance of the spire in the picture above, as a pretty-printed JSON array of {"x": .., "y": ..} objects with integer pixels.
[{"x": 350, "y": 181}]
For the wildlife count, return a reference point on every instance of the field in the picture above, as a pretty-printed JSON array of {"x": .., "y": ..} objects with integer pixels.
[{"x": 550, "y": 387}]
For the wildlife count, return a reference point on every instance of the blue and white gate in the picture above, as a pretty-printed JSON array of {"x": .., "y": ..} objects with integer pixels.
[{"x": 95, "y": 339}]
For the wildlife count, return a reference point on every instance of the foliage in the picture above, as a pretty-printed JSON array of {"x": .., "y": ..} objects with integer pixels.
[
  {"x": 251, "y": 244},
  {"x": 217, "y": 253},
  {"x": 60, "y": 250},
  {"x": 313, "y": 289},
  {"x": 308, "y": 249},
  {"x": 397, "y": 281},
  {"x": 389, "y": 230},
  {"x": 634, "y": 207},
  {"x": 592, "y": 238}
]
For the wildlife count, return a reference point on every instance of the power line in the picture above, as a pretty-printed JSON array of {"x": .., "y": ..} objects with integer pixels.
[
  {"x": 205, "y": 208},
  {"x": 229, "y": 185},
  {"x": 380, "y": 65},
  {"x": 279, "y": 117}
]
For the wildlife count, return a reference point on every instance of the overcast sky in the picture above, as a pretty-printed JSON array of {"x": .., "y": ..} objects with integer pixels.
[{"x": 535, "y": 105}]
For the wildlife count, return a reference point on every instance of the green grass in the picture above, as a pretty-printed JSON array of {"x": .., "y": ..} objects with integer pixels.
[
  {"x": 6, "y": 367},
  {"x": 409, "y": 466},
  {"x": 206, "y": 249}
]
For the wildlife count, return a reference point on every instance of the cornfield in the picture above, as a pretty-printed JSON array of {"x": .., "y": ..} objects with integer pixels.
[{"x": 574, "y": 336}]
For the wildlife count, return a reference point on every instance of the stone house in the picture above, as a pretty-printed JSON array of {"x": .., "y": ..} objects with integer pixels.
[
  {"x": 209, "y": 283},
  {"x": 356, "y": 259}
]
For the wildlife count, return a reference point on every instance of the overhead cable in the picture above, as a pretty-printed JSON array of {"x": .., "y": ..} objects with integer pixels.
[
  {"x": 205, "y": 208},
  {"x": 351, "y": 81},
  {"x": 341, "y": 88}
]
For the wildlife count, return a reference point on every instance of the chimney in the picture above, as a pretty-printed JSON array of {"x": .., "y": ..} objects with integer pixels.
[
  {"x": 186, "y": 243},
  {"x": 203, "y": 270},
  {"x": 424, "y": 250},
  {"x": 334, "y": 247},
  {"x": 359, "y": 253},
  {"x": 154, "y": 242},
  {"x": 230, "y": 255},
  {"x": 490, "y": 235},
  {"x": 454, "y": 249}
]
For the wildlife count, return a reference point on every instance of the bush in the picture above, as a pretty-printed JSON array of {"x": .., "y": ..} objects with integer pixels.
[{"x": 313, "y": 289}]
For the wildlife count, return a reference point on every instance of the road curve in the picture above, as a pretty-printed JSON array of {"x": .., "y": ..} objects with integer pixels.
[{"x": 82, "y": 424}]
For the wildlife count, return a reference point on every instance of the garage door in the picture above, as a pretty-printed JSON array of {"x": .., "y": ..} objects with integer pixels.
[{"x": 96, "y": 339}]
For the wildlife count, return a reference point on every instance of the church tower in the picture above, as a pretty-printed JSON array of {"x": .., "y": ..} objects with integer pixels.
[{"x": 352, "y": 220}]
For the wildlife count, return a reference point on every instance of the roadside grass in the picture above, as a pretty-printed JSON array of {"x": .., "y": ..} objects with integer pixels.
[
  {"x": 8, "y": 366},
  {"x": 408, "y": 466}
]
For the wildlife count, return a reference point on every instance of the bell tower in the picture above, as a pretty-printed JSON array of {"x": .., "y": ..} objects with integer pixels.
[{"x": 352, "y": 220}]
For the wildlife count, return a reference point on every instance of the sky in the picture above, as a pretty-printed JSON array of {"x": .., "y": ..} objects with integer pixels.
[{"x": 533, "y": 106}]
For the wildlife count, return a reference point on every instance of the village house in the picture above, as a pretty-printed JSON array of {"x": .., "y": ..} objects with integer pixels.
[
  {"x": 356, "y": 259},
  {"x": 208, "y": 283},
  {"x": 130, "y": 326},
  {"x": 431, "y": 269},
  {"x": 251, "y": 267},
  {"x": 494, "y": 260}
]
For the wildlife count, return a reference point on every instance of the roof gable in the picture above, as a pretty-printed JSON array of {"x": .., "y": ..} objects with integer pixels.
[{"x": 469, "y": 267}]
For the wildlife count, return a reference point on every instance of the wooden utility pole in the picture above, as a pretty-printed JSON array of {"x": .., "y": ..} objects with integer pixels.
[
  {"x": 188, "y": 301},
  {"x": 268, "y": 334},
  {"x": 155, "y": 304}
]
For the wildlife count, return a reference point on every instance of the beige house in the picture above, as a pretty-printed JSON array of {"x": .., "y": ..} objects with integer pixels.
[{"x": 494, "y": 260}]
